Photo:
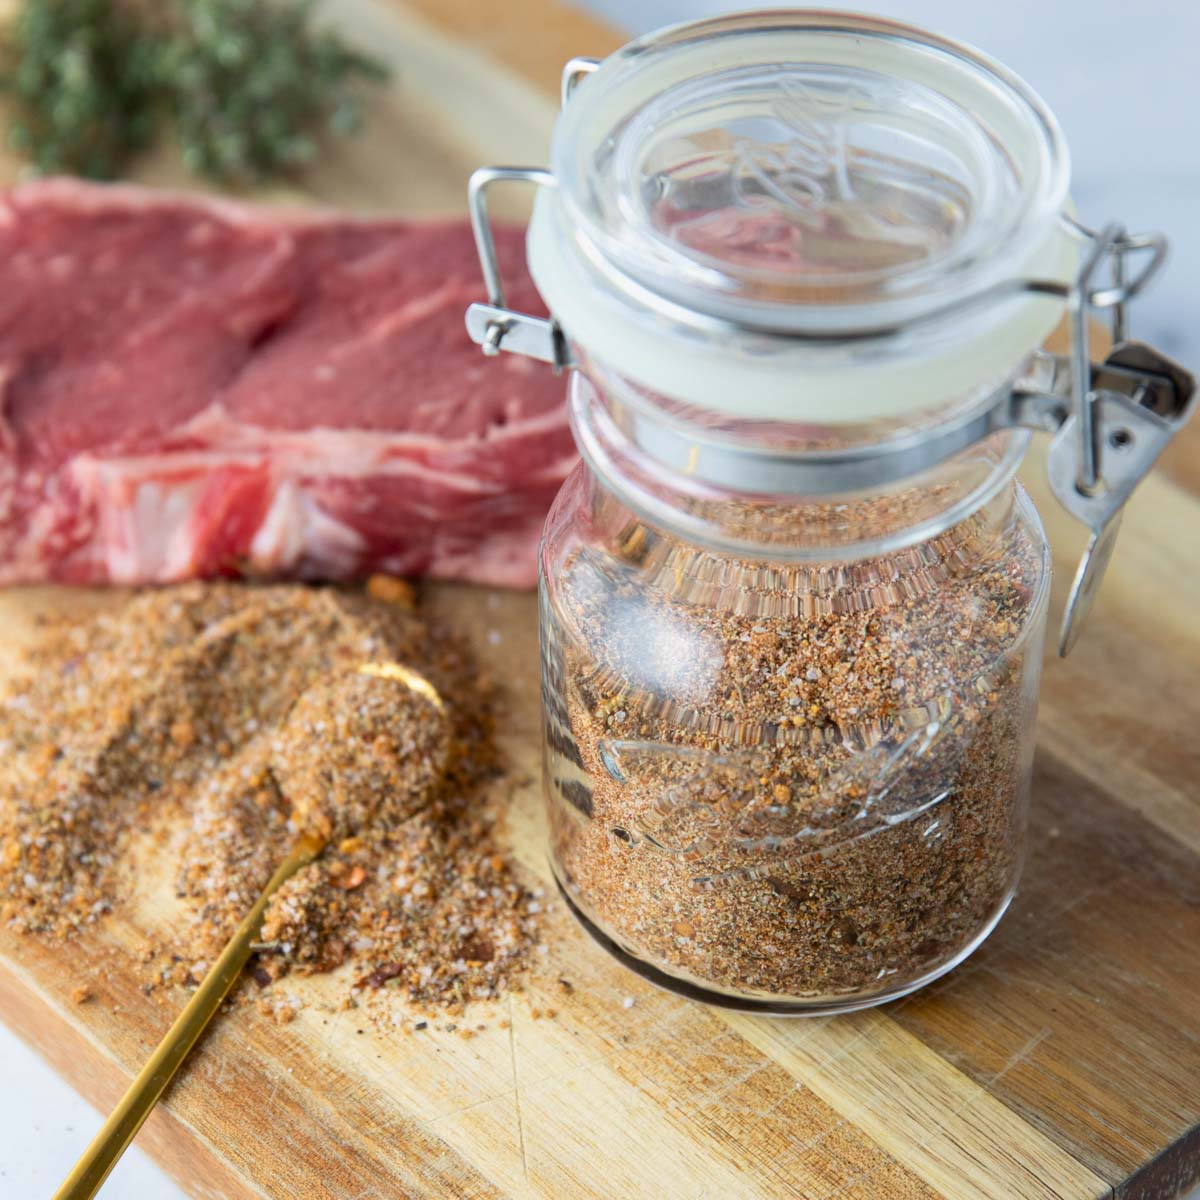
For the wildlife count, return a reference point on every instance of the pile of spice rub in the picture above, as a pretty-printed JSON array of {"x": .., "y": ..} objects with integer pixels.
[{"x": 168, "y": 716}]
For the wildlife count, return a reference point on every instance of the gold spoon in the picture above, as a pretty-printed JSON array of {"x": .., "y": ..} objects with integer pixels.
[{"x": 350, "y": 729}]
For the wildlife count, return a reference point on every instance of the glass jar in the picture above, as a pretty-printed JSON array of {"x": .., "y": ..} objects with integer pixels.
[
  {"x": 790, "y": 782},
  {"x": 793, "y": 599}
]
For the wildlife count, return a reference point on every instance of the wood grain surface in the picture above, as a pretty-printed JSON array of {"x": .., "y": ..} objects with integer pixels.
[{"x": 1062, "y": 1060}]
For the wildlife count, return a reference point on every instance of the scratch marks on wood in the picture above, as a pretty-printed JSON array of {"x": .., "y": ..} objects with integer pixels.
[
  {"x": 512, "y": 1048},
  {"x": 1020, "y": 1056}
]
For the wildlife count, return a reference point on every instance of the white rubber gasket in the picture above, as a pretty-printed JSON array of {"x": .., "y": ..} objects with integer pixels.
[{"x": 787, "y": 379}]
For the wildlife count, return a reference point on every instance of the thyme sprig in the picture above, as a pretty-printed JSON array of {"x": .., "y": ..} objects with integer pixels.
[{"x": 247, "y": 87}]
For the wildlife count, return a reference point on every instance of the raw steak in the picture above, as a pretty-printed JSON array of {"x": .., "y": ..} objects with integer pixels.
[{"x": 194, "y": 388}]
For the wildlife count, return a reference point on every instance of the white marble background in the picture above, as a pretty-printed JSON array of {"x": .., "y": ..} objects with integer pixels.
[{"x": 1123, "y": 80}]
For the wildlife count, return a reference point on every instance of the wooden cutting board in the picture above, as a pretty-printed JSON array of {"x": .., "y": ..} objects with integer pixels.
[{"x": 1063, "y": 1060}]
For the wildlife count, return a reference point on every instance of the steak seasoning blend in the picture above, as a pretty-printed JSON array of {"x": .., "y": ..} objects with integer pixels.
[{"x": 800, "y": 265}]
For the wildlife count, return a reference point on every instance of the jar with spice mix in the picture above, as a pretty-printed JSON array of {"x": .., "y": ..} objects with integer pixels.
[{"x": 800, "y": 266}]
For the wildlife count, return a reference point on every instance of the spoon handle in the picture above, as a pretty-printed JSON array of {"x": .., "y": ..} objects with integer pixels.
[{"x": 93, "y": 1167}]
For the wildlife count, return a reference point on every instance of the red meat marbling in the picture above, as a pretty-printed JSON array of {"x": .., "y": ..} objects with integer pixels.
[{"x": 197, "y": 388}]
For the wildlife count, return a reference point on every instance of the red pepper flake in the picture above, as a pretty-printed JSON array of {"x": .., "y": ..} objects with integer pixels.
[
  {"x": 351, "y": 879},
  {"x": 380, "y": 976}
]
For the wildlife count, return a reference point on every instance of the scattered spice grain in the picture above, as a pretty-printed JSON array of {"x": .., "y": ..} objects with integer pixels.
[
  {"x": 170, "y": 713},
  {"x": 792, "y": 781},
  {"x": 391, "y": 590}
]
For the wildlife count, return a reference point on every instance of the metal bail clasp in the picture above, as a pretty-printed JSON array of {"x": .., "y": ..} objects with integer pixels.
[
  {"x": 494, "y": 326},
  {"x": 1124, "y": 411}
]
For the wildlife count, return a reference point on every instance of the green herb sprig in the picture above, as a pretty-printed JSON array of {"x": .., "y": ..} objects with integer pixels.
[
  {"x": 247, "y": 87},
  {"x": 84, "y": 77}
]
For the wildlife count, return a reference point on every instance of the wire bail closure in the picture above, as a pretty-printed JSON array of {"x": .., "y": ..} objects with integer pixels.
[
  {"x": 494, "y": 326},
  {"x": 1123, "y": 412},
  {"x": 1110, "y": 420}
]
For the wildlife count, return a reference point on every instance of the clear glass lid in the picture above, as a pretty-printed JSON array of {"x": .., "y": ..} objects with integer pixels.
[{"x": 808, "y": 171}]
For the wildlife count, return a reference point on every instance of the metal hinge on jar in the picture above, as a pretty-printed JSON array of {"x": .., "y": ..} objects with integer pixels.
[{"x": 1110, "y": 420}]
